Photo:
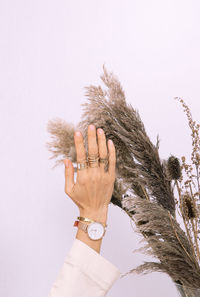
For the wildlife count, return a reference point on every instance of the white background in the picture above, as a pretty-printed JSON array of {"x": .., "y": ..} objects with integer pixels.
[{"x": 49, "y": 51}]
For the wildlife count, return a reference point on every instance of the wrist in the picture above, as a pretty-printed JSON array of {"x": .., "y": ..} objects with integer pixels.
[{"x": 99, "y": 215}]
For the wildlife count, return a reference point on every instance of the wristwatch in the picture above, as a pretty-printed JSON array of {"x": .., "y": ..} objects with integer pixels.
[{"x": 95, "y": 230}]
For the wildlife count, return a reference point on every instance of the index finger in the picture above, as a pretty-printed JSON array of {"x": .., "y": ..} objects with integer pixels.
[{"x": 80, "y": 148}]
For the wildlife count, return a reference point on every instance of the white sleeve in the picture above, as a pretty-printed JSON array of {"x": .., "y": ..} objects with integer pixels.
[{"x": 85, "y": 273}]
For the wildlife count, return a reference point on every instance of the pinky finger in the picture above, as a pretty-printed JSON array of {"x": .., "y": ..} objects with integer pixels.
[{"x": 112, "y": 158}]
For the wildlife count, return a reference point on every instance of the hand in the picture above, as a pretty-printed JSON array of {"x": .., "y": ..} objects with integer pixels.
[{"x": 93, "y": 189}]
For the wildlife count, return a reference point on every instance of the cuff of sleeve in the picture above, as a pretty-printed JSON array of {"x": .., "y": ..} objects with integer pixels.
[{"x": 98, "y": 268}]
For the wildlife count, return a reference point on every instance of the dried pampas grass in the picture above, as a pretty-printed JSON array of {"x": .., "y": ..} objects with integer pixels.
[
  {"x": 150, "y": 181},
  {"x": 167, "y": 242},
  {"x": 62, "y": 140}
]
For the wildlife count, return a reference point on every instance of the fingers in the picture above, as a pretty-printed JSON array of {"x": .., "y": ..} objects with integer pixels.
[
  {"x": 69, "y": 176},
  {"x": 94, "y": 148},
  {"x": 103, "y": 152},
  {"x": 92, "y": 141},
  {"x": 80, "y": 153},
  {"x": 80, "y": 149},
  {"x": 102, "y": 146},
  {"x": 112, "y": 158}
]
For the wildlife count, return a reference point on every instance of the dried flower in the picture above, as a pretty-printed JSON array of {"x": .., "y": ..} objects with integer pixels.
[
  {"x": 62, "y": 144},
  {"x": 167, "y": 242},
  {"x": 173, "y": 168},
  {"x": 140, "y": 171},
  {"x": 188, "y": 206}
]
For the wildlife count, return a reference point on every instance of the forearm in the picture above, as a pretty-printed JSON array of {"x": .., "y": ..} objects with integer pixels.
[{"x": 100, "y": 216}]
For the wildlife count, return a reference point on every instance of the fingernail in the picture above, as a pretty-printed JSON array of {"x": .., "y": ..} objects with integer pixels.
[
  {"x": 77, "y": 133},
  {"x": 92, "y": 127},
  {"x": 66, "y": 162},
  {"x": 100, "y": 131},
  {"x": 110, "y": 142}
]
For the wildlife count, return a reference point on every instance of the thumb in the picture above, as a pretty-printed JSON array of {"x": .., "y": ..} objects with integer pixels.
[{"x": 69, "y": 176}]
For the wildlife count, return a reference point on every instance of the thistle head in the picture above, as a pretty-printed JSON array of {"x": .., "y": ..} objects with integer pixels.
[
  {"x": 173, "y": 168},
  {"x": 189, "y": 207}
]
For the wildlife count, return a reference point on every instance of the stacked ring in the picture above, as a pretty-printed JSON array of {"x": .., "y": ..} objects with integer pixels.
[
  {"x": 93, "y": 160},
  {"x": 104, "y": 160},
  {"x": 83, "y": 165}
]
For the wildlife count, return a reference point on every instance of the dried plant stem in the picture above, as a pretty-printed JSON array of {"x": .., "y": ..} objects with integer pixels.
[
  {"x": 195, "y": 239},
  {"x": 152, "y": 208},
  {"x": 131, "y": 217},
  {"x": 189, "y": 237},
  {"x": 195, "y": 231},
  {"x": 179, "y": 190},
  {"x": 179, "y": 239},
  {"x": 194, "y": 227},
  {"x": 184, "y": 289},
  {"x": 185, "y": 223},
  {"x": 197, "y": 170},
  {"x": 193, "y": 200},
  {"x": 145, "y": 193}
]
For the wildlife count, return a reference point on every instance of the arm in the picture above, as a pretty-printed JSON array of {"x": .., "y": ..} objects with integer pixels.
[
  {"x": 85, "y": 272},
  {"x": 94, "y": 186},
  {"x": 100, "y": 216}
]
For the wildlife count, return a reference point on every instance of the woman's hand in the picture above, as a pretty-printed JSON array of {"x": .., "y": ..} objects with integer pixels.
[{"x": 93, "y": 189}]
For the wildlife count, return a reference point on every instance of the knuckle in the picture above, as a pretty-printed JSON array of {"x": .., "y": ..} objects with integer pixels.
[
  {"x": 82, "y": 180},
  {"x": 95, "y": 176},
  {"x": 81, "y": 157}
]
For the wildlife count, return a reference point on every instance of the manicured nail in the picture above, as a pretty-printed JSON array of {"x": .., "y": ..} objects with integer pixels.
[
  {"x": 77, "y": 133},
  {"x": 100, "y": 131},
  {"x": 110, "y": 142},
  {"x": 92, "y": 127}
]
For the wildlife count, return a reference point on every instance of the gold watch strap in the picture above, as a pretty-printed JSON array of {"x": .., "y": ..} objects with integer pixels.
[
  {"x": 90, "y": 221},
  {"x": 82, "y": 226}
]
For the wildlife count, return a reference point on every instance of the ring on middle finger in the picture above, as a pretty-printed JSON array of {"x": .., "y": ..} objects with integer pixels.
[{"x": 93, "y": 160}]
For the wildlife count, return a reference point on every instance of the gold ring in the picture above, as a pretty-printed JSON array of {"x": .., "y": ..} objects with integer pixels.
[
  {"x": 83, "y": 165},
  {"x": 104, "y": 160},
  {"x": 93, "y": 160},
  {"x": 93, "y": 157},
  {"x": 94, "y": 164}
]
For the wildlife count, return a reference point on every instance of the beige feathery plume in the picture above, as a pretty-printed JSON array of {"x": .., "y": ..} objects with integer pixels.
[
  {"x": 62, "y": 141},
  {"x": 139, "y": 170},
  {"x": 137, "y": 157},
  {"x": 138, "y": 161},
  {"x": 167, "y": 242}
]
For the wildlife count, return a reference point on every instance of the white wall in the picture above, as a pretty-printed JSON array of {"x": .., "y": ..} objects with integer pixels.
[{"x": 49, "y": 51}]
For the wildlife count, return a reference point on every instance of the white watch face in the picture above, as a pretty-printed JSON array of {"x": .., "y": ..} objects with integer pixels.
[{"x": 95, "y": 230}]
